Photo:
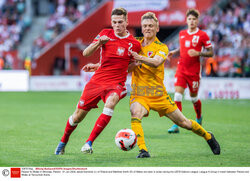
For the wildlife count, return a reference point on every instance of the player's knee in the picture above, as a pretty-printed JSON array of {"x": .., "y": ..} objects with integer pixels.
[
  {"x": 112, "y": 100},
  {"x": 72, "y": 121},
  {"x": 135, "y": 113},
  {"x": 178, "y": 97},
  {"x": 78, "y": 116}
]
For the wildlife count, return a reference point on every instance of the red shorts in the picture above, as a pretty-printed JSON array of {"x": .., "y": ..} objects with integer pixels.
[
  {"x": 94, "y": 92},
  {"x": 183, "y": 80}
]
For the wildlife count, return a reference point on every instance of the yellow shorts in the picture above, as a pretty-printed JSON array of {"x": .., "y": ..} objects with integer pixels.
[{"x": 161, "y": 104}]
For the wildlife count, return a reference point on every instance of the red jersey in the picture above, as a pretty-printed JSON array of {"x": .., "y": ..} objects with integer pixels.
[
  {"x": 115, "y": 58},
  {"x": 191, "y": 40}
]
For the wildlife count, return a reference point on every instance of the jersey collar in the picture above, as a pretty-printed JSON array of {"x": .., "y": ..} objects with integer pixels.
[
  {"x": 156, "y": 39},
  {"x": 191, "y": 33},
  {"x": 122, "y": 37}
]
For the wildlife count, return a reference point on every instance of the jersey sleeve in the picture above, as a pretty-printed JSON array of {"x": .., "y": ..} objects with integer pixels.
[
  {"x": 206, "y": 41},
  {"x": 162, "y": 52},
  {"x": 137, "y": 47},
  {"x": 98, "y": 36}
]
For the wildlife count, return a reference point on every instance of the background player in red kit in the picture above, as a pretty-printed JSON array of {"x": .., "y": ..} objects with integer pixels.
[
  {"x": 108, "y": 82},
  {"x": 188, "y": 71}
]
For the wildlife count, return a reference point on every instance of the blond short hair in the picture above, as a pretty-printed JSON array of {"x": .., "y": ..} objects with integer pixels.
[{"x": 150, "y": 15}]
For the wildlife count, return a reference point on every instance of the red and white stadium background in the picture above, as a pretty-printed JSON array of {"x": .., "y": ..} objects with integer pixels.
[{"x": 169, "y": 13}]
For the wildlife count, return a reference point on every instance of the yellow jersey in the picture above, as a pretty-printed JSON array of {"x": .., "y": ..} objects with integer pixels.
[{"x": 146, "y": 80}]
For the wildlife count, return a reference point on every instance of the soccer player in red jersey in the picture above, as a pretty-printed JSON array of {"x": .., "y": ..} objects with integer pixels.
[
  {"x": 188, "y": 71},
  {"x": 108, "y": 82}
]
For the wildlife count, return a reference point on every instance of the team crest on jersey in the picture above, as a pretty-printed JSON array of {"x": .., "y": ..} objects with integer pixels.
[
  {"x": 120, "y": 51},
  {"x": 187, "y": 43},
  {"x": 149, "y": 53}
]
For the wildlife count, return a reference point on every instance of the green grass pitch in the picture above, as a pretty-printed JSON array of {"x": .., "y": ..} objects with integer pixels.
[{"x": 32, "y": 123}]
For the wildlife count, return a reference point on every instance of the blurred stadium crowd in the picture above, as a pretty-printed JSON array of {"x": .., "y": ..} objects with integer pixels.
[
  {"x": 63, "y": 15},
  {"x": 227, "y": 26},
  {"x": 12, "y": 28},
  {"x": 229, "y": 29}
]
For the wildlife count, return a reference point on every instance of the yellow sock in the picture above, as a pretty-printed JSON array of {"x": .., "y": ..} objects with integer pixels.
[
  {"x": 137, "y": 128},
  {"x": 199, "y": 130}
]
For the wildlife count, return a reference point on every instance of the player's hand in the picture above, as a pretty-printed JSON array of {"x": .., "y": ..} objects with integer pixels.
[
  {"x": 90, "y": 67},
  {"x": 103, "y": 39},
  {"x": 193, "y": 53},
  {"x": 170, "y": 55},
  {"x": 135, "y": 63},
  {"x": 135, "y": 55}
]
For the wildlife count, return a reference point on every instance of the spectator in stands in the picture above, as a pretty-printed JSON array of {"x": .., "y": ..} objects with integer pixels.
[
  {"x": 237, "y": 68},
  {"x": 211, "y": 67}
]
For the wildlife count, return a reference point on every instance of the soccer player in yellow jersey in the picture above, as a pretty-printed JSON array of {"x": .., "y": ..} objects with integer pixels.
[{"x": 148, "y": 90}]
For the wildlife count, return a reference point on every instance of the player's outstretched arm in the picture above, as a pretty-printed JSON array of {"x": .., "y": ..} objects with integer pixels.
[
  {"x": 172, "y": 53},
  {"x": 152, "y": 62},
  {"x": 91, "y": 67},
  {"x": 95, "y": 46}
]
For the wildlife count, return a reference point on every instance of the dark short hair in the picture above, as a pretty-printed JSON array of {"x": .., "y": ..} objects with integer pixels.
[
  {"x": 119, "y": 11},
  {"x": 193, "y": 12}
]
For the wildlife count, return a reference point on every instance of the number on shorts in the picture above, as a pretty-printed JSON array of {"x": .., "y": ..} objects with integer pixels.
[{"x": 195, "y": 84}]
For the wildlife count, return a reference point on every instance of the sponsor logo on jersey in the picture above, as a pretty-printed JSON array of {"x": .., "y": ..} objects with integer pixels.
[
  {"x": 149, "y": 53},
  {"x": 208, "y": 42},
  {"x": 182, "y": 36},
  {"x": 120, "y": 51}
]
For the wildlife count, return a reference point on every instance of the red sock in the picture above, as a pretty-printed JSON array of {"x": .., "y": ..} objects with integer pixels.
[
  {"x": 67, "y": 132},
  {"x": 100, "y": 124},
  {"x": 197, "y": 108},
  {"x": 178, "y": 105}
]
